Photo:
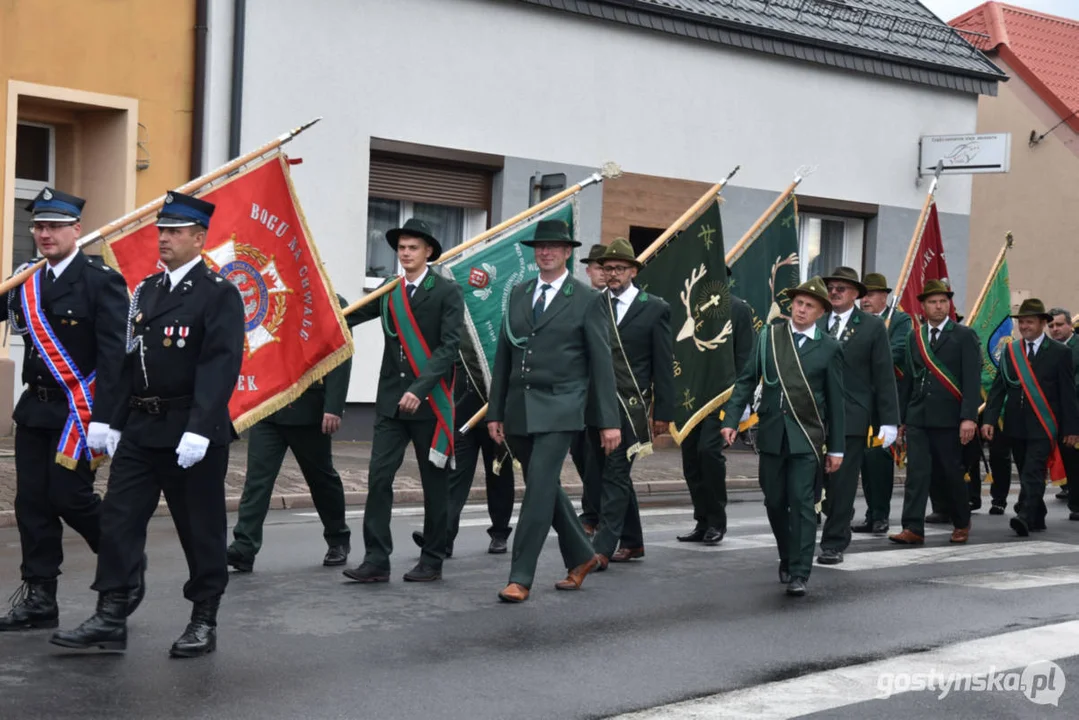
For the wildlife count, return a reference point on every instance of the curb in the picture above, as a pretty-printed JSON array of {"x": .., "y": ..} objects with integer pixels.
[{"x": 297, "y": 501}]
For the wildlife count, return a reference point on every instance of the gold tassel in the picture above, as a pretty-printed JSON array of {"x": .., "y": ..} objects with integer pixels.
[{"x": 64, "y": 461}]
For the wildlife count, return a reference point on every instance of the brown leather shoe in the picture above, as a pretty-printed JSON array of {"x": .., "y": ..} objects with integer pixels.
[
  {"x": 907, "y": 538},
  {"x": 513, "y": 593},
  {"x": 604, "y": 562},
  {"x": 960, "y": 535},
  {"x": 626, "y": 554},
  {"x": 589, "y": 530},
  {"x": 576, "y": 576}
]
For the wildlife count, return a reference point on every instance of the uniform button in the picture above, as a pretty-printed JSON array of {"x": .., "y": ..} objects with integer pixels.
[
  {"x": 529, "y": 352},
  {"x": 402, "y": 374},
  {"x": 528, "y": 387},
  {"x": 528, "y": 369}
]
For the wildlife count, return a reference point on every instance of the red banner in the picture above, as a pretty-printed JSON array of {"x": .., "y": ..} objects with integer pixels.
[
  {"x": 928, "y": 263},
  {"x": 258, "y": 239}
]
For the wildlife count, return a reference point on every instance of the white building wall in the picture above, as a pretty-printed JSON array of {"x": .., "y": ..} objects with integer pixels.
[{"x": 507, "y": 78}]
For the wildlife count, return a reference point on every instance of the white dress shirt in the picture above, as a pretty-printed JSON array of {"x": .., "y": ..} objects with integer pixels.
[
  {"x": 556, "y": 285},
  {"x": 1037, "y": 344},
  {"x": 622, "y": 302},
  {"x": 175, "y": 276},
  {"x": 415, "y": 282},
  {"x": 62, "y": 265},
  {"x": 843, "y": 319}
]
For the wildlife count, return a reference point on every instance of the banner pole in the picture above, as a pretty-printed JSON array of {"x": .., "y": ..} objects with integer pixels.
[
  {"x": 750, "y": 235},
  {"x": 1008, "y": 240}
]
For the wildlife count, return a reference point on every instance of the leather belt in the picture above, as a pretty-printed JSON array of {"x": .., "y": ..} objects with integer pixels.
[
  {"x": 158, "y": 405},
  {"x": 48, "y": 394}
]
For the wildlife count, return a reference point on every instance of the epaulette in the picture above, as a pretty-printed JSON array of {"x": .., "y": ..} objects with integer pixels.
[
  {"x": 214, "y": 277},
  {"x": 98, "y": 262}
]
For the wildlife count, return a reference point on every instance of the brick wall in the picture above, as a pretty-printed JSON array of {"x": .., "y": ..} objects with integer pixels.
[{"x": 645, "y": 201}]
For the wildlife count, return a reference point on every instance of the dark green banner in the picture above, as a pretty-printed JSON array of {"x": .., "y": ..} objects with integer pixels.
[
  {"x": 769, "y": 266},
  {"x": 691, "y": 275}
]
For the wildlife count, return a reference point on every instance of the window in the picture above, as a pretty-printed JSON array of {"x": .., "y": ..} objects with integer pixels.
[
  {"x": 642, "y": 237},
  {"x": 828, "y": 241},
  {"x": 35, "y": 167},
  {"x": 450, "y": 225}
]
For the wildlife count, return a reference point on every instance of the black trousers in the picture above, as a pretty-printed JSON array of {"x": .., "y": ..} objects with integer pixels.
[
  {"x": 705, "y": 470},
  {"x": 582, "y": 453},
  {"x": 934, "y": 453},
  {"x": 1000, "y": 465},
  {"x": 196, "y": 499},
  {"x": 620, "y": 515},
  {"x": 467, "y": 449},
  {"x": 45, "y": 494},
  {"x": 1070, "y": 456},
  {"x": 972, "y": 468},
  {"x": 1032, "y": 459}
]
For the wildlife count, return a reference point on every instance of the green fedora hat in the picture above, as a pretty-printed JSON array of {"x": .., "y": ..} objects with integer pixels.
[
  {"x": 594, "y": 253},
  {"x": 620, "y": 249},
  {"x": 935, "y": 287},
  {"x": 875, "y": 282},
  {"x": 813, "y": 287},
  {"x": 414, "y": 227},
  {"x": 847, "y": 275},
  {"x": 1033, "y": 307},
  {"x": 553, "y": 231}
]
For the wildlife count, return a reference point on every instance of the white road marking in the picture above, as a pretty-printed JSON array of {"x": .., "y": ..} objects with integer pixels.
[
  {"x": 901, "y": 557},
  {"x": 763, "y": 540},
  {"x": 831, "y": 689},
  {"x": 1015, "y": 580}
]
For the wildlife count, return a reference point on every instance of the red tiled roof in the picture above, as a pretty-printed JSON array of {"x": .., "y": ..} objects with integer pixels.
[{"x": 1042, "y": 49}]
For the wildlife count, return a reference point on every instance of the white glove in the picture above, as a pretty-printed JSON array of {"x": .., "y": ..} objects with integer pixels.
[
  {"x": 745, "y": 414},
  {"x": 112, "y": 441},
  {"x": 887, "y": 435},
  {"x": 192, "y": 449},
  {"x": 97, "y": 436}
]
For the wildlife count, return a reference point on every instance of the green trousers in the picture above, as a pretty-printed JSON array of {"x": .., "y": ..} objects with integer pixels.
[
  {"x": 705, "y": 470},
  {"x": 878, "y": 482},
  {"x": 787, "y": 481},
  {"x": 620, "y": 513},
  {"x": 267, "y": 444},
  {"x": 840, "y": 489},
  {"x": 545, "y": 505},
  {"x": 391, "y": 439}
]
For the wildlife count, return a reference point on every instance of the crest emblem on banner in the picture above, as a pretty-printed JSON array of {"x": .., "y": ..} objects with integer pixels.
[
  {"x": 481, "y": 278},
  {"x": 262, "y": 290}
]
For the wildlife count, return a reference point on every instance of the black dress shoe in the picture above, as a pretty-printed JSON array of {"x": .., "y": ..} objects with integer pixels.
[
  {"x": 336, "y": 555},
  {"x": 423, "y": 573},
  {"x": 200, "y": 636},
  {"x": 1063, "y": 494},
  {"x": 976, "y": 504},
  {"x": 830, "y": 557},
  {"x": 784, "y": 575},
  {"x": 937, "y": 518},
  {"x": 695, "y": 536},
  {"x": 1020, "y": 527},
  {"x": 866, "y": 527},
  {"x": 1073, "y": 516},
  {"x": 367, "y": 573},
  {"x": 106, "y": 629},
  {"x": 796, "y": 587},
  {"x": 880, "y": 527},
  {"x": 498, "y": 546},
  {"x": 135, "y": 597},
  {"x": 239, "y": 561},
  {"x": 33, "y": 607},
  {"x": 713, "y": 536},
  {"x": 996, "y": 509}
]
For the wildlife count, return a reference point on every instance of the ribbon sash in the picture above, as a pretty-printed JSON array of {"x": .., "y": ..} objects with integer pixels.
[
  {"x": 933, "y": 365},
  {"x": 633, "y": 401},
  {"x": 418, "y": 355},
  {"x": 79, "y": 390},
  {"x": 796, "y": 388},
  {"x": 1042, "y": 410}
]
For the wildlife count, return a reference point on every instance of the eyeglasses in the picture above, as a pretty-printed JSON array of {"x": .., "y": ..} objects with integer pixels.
[
  {"x": 40, "y": 227},
  {"x": 615, "y": 269},
  {"x": 840, "y": 287}
]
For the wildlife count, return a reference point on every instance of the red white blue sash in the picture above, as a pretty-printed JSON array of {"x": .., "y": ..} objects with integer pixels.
[{"x": 79, "y": 390}]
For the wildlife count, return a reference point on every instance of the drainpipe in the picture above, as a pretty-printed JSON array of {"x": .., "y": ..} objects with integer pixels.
[
  {"x": 236, "y": 96},
  {"x": 198, "y": 104}
]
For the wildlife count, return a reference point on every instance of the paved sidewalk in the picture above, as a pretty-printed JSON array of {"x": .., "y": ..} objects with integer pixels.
[{"x": 660, "y": 472}]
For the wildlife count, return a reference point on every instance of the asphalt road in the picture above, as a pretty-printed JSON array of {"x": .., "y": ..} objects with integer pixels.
[{"x": 708, "y": 626}]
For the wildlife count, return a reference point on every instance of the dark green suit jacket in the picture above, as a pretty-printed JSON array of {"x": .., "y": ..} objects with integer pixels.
[
  {"x": 898, "y": 330},
  {"x": 549, "y": 371},
  {"x": 1073, "y": 344},
  {"x": 822, "y": 364},
  {"x": 923, "y": 400},
  {"x": 646, "y": 336},
  {"x": 869, "y": 373},
  {"x": 1055, "y": 372},
  {"x": 745, "y": 336},
  {"x": 438, "y": 306},
  {"x": 325, "y": 396}
]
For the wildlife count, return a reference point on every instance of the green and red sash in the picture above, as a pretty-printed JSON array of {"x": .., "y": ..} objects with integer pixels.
[
  {"x": 1038, "y": 403},
  {"x": 933, "y": 365},
  {"x": 79, "y": 389},
  {"x": 418, "y": 355}
]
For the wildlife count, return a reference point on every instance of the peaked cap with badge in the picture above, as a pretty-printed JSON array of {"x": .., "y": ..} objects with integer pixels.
[
  {"x": 51, "y": 205},
  {"x": 182, "y": 210}
]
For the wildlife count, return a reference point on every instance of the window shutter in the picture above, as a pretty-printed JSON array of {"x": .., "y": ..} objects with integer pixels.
[{"x": 398, "y": 179}]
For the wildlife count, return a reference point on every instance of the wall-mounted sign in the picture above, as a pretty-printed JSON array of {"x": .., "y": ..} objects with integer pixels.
[{"x": 965, "y": 154}]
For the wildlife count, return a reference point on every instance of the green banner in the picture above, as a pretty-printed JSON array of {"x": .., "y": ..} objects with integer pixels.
[
  {"x": 690, "y": 274},
  {"x": 487, "y": 274},
  {"x": 993, "y": 323},
  {"x": 773, "y": 254}
]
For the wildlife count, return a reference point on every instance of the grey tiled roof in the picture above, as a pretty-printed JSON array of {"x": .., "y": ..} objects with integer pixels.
[{"x": 900, "y": 39}]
